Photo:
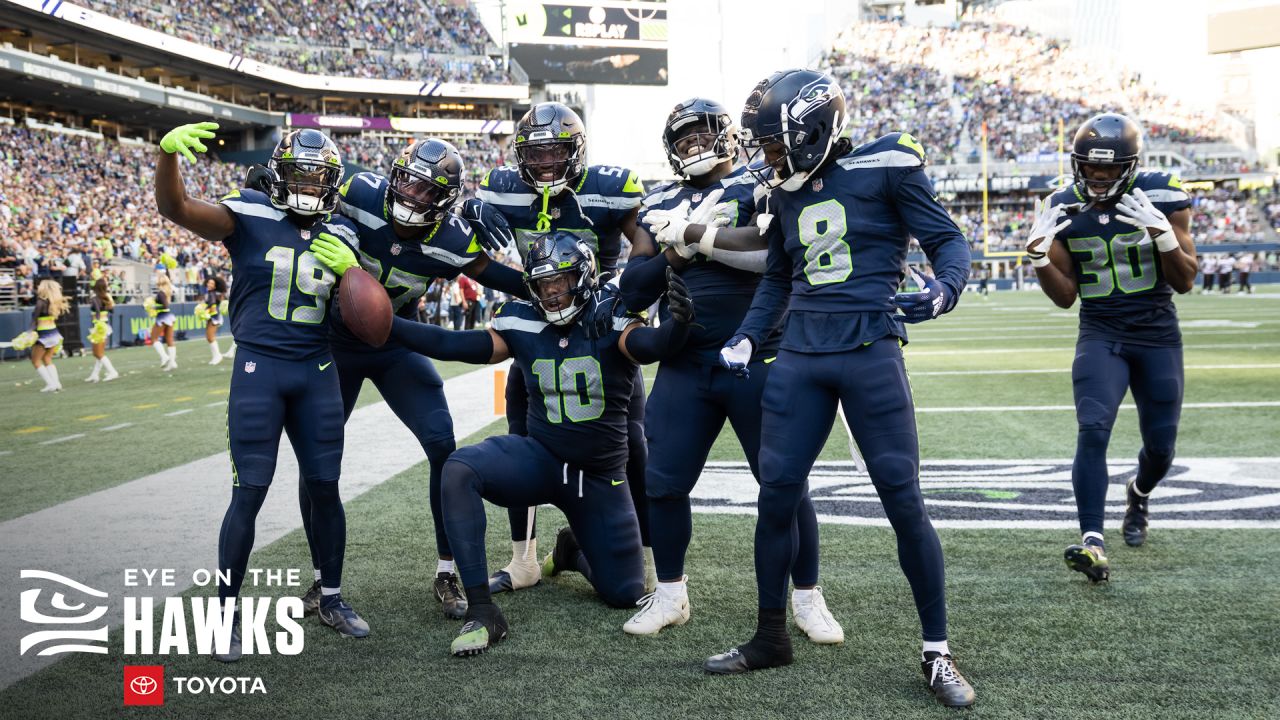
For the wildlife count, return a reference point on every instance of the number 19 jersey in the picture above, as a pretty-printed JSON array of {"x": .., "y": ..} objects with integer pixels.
[
  {"x": 1123, "y": 292},
  {"x": 280, "y": 294}
]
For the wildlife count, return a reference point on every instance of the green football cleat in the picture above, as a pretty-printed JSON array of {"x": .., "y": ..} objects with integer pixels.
[
  {"x": 484, "y": 628},
  {"x": 1089, "y": 559}
]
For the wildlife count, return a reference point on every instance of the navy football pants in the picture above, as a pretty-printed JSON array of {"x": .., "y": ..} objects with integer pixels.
[
  {"x": 637, "y": 450},
  {"x": 515, "y": 471},
  {"x": 414, "y": 391},
  {"x": 800, "y": 399},
  {"x": 1102, "y": 372},
  {"x": 686, "y": 411},
  {"x": 301, "y": 398}
]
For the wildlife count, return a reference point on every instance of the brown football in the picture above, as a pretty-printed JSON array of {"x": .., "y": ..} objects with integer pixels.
[{"x": 365, "y": 307}]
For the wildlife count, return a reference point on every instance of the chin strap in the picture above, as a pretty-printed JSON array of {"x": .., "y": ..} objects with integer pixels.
[{"x": 544, "y": 217}]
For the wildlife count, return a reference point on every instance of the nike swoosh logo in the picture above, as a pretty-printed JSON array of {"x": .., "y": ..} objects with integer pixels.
[
  {"x": 322, "y": 367},
  {"x": 617, "y": 482}
]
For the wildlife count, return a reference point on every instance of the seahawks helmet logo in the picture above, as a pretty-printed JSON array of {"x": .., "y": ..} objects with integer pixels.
[{"x": 810, "y": 98}]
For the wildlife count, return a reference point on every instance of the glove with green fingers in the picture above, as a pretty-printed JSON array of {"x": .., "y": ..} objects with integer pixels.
[
  {"x": 334, "y": 253},
  {"x": 185, "y": 138}
]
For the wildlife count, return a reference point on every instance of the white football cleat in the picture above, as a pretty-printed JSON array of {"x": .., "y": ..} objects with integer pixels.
[
  {"x": 813, "y": 617},
  {"x": 668, "y": 605}
]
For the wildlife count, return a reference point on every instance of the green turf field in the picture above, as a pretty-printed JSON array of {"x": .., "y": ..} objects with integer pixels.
[{"x": 1186, "y": 629}]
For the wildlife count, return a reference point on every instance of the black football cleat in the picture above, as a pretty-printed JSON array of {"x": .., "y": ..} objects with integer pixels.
[
  {"x": 736, "y": 662},
  {"x": 484, "y": 628},
  {"x": 311, "y": 600},
  {"x": 564, "y": 557},
  {"x": 1135, "y": 518},
  {"x": 451, "y": 596},
  {"x": 1090, "y": 559},
  {"x": 945, "y": 681},
  {"x": 337, "y": 614}
]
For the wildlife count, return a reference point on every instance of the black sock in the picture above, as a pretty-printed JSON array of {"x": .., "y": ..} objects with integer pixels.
[
  {"x": 771, "y": 645},
  {"x": 479, "y": 595}
]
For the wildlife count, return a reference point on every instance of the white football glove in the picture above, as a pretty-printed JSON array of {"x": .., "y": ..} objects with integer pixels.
[
  {"x": 669, "y": 226},
  {"x": 735, "y": 356},
  {"x": 1049, "y": 222},
  {"x": 1136, "y": 209}
]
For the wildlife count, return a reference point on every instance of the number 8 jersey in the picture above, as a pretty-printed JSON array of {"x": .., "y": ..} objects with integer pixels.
[
  {"x": 280, "y": 293},
  {"x": 1123, "y": 293}
]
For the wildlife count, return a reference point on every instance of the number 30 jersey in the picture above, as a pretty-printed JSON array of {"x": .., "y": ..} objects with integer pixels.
[
  {"x": 1123, "y": 293},
  {"x": 837, "y": 247},
  {"x": 579, "y": 382},
  {"x": 405, "y": 267},
  {"x": 280, "y": 295}
]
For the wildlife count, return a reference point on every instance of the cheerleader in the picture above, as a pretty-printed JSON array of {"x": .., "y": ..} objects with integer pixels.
[
  {"x": 49, "y": 306},
  {"x": 163, "y": 327},
  {"x": 100, "y": 312},
  {"x": 215, "y": 291}
]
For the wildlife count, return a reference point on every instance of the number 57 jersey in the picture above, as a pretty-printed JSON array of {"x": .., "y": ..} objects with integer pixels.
[
  {"x": 280, "y": 293},
  {"x": 1123, "y": 293}
]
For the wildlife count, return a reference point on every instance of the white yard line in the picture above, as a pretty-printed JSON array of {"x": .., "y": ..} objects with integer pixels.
[
  {"x": 171, "y": 519},
  {"x": 1055, "y": 408},
  {"x": 113, "y": 428},
  {"x": 1256, "y": 366},
  {"x": 55, "y": 441}
]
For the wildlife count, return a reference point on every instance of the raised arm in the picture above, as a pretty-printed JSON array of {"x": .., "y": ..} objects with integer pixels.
[{"x": 208, "y": 220}]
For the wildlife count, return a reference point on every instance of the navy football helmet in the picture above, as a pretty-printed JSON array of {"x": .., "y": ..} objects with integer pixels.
[
  {"x": 425, "y": 182},
  {"x": 790, "y": 124},
  {"x": 551, "y": 147},
  {"x": 715, "y": 129},
  {"x": 1109, "y": 139},
  {"x": 308, "y": 171},
  {"x": 555, "y": 255}
]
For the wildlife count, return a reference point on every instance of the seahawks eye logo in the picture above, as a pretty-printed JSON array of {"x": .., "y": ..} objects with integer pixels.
[
  {"x": 810, "y": 98},
  {"x": 1197, "y": 492}
]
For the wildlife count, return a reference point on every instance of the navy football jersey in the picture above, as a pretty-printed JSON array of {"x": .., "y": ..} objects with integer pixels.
[
  {"x": 839, "y": 243},
  {"x": 721, "y": 294},
  {"x": 280, "y": 298},
  {"x": 579, "y": 382},
  {"x": 593, "y": 210},
  {"x": 1123, "y": 293},
  {"x": 405, "y": 267}
]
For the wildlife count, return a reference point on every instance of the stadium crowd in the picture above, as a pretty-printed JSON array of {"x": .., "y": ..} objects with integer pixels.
[
  {"x": 377, "y": 152},
  {"x": 946, "y": 82},
  {"x": 389, "y": 39}
]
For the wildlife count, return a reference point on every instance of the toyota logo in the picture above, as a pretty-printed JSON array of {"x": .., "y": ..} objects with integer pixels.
[{"x": 143, "y": 685}]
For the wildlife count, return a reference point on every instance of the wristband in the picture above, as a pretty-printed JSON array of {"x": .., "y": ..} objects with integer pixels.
[
  {"x": 1166, "y": 241},
  {"x": 707, "y": 244}
]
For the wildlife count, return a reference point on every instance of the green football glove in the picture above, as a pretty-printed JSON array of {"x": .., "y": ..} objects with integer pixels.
[
  {"x": 185, "y": 137},
  {"x": 335, "y": 254}
]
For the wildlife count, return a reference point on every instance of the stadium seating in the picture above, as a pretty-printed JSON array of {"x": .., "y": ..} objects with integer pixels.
[{"x": 388, "y": 39}]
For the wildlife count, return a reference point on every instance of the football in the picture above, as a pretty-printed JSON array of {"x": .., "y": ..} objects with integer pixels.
[{"x": 365, "y": 307}]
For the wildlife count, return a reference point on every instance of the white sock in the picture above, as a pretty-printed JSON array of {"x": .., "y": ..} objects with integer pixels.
[
  {"x": 43, "y": 372},
  {"x": 524, "y": 549},
  {"x": 106, "y": 363},
  {"x": 317, "y": 574},
  {"x": 53, "y": 373},
  {"x": 676, "y": 587},
  {"x": 444, "y": 566},
  {"x": 1084, "y": 539},
  {"x": 1138, "y": 492},
  {"x": 97, "y": 368},
  {"x": 173, "y": 354},
  {"x": 938, "y": 647},
  {"x": 213, "y": 349},
  {"x": 159, "y": 346},
  {"x": 330, "y": 591},
  {"x": 799, "y": 596}
]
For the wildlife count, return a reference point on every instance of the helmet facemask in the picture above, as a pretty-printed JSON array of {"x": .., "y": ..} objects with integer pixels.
[
  {"x": 696, "y": 144},
  {"x": 417, "y": 200},
  {"x": 550, "y": 165},
  {"x": 560, "y": 280},
  {"x": 305, "y": 187},
  {"x": 1098, "y": 190}
]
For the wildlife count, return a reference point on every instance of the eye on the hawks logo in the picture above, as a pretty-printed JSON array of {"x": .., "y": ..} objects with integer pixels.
[
  {"x": 1197, "y": 492},
  {"x": 62, "y": 618}
]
